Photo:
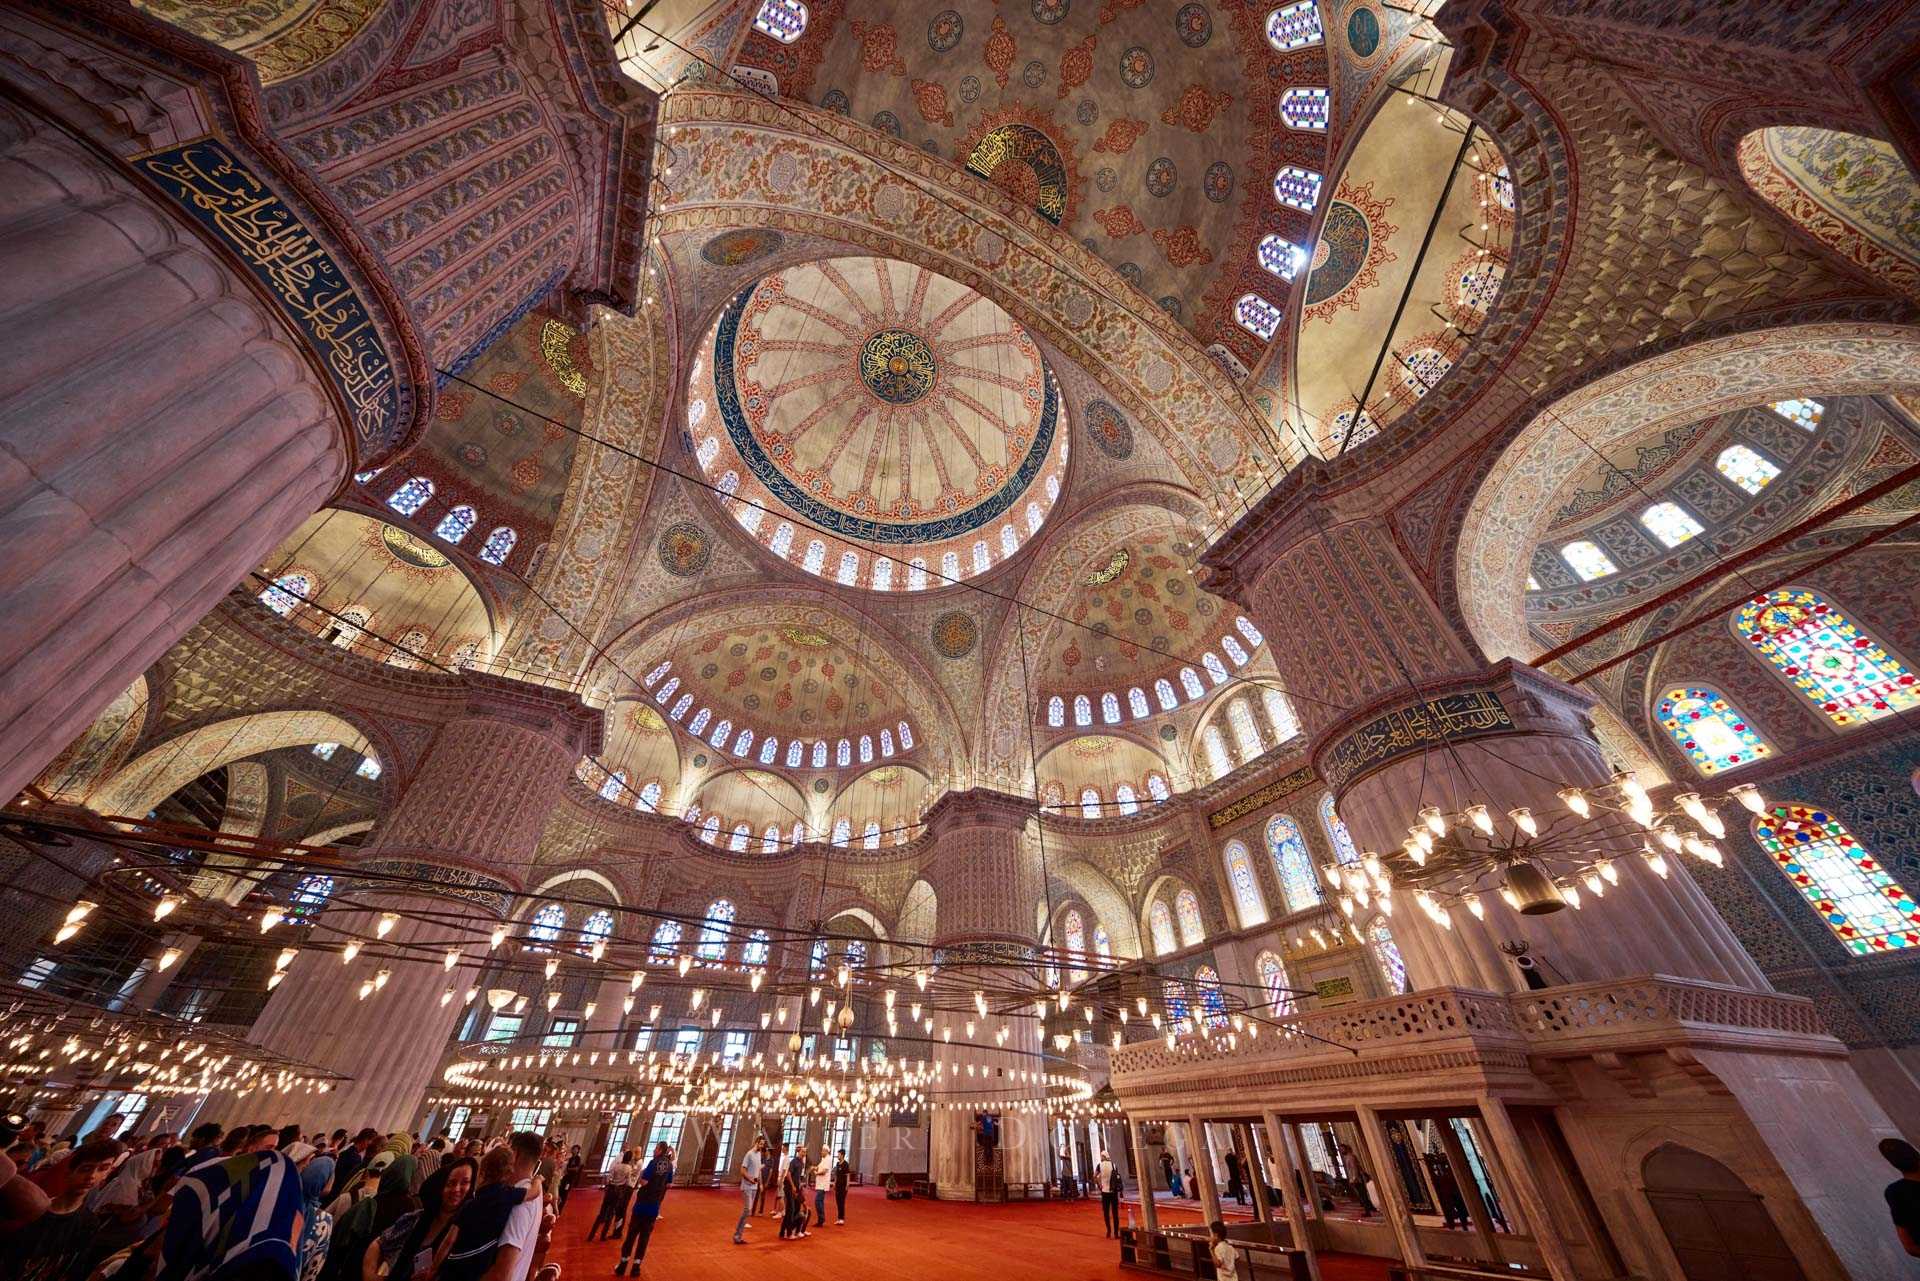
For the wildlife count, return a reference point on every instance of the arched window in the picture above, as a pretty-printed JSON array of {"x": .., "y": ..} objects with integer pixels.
[
  {"x": 1125, "y": 799},
  {"x": 1344, "y": 850},
  {"x": 737, "y": 842},
  {"x": 351, "y": 625},
  {"x": 794, "y": 749},
  {"x": 1190, "y": 682},
  {"x": 310, "y": 894},
  {"x": 980, "y": 559},
  {"x": 1292, "y": 864},
  {"x": 1082, "y": 710},
  {"x": 1801, "y": 413},
  {"x": 369, "y": 767},
  {"x": 412, "y": 496},
  {"x": 1179, "y": 1011},
  {"x": 547, "y": 923},
  {"x": 856, "y": 954},
  {"x": 1213, "y": 1001},
  {"x": 784, "y": 20},
  {"x": 1305, "y": 107},
  {"x": 817, "y": 959},
  {"x": 782, "y": 541},
  {"x": 799, "y": 836},
  {"x": 1216, "y": 747},
  {"x": 1746, "y": 468},
  {"x": 456, "y": 524},
  {"x": 1110, "y": 708},
  {"x": 1294, "y": 26},
  {"x": 842, "y": 831},
  {"x": 680, "y": 708},
  {"x": 769, "y": 748},
  {"x": 710, "y": 829},
  {"x": 692, "y": 816},
  {"x": 499, "y": 546},
  {"x": 706, "y": 451},
  {"x": 815, "y": 558},
  {"x": 1280, "y": 717},
  {"x": 1089, "y": 802},
  {"x": 1710, "y": 730},
  {"x": 1422, "y": 369},
  {"x": 1297, "y": 188},
  {"x": 870, "y": 835},
  {"x": 649, "y": 798},
  {"x": 770, "y": 839},
  {"x": 1841, "y": 669},
  {"x": 465, "y": 654},
  {"x": 1866, "y": 909},
  {"x": 843, "y": 754},
  {"x": 950, "y": 567},
  {"x": 1052, "y": 796},
  {"x": 1102, "y": 946},
  {"x": 713, "y": 933},
  {"x": 698, "y": 725},
  {"x": 615, "y": 785},
  {"x": 1386, "y": 954},
  {"x": 1281, "y": 256},
  {"x": 666, "y": 691},
  {"x": 1157, "y": 786},
  {"x": 1670, "y": 523},
  {"x": 1073, "y": 933},
  {"x": 1257, "y": 316},
  {"x": 598, "y": 928},
  {"x": 1137, "y": 703},
  {"x": 1245, "y": 733},
  {"x": 1160, "y": 926},
  {"x": 1273, "y": 983},
  {"x": 866, "y": 748},
  {"x": 409, "y": 650},
  {"x": 1163, "y": 691},
  {"x": 820, "y": 754},
  {"x": 906, "y": 737},
  {"x": 743, "y": 743},
  {"x": 882, "y": 574},
  {"x": 1186, "y": 910},
  {"x": 1588, "y": 560},
  {"x": 1246, "y": 890},
  {"x": 886, "y": 744},
  {"x": 1245, "y": 627},
  {"x": 288, "y": 593},
  {"x": 1232, "y": 646},
  {"x": 849, "y": 572},
  {"x": 1033, "y": 517},
  {"x": 722, "y": 732},
  {"x": 758, "y": 947},
  {"x": 917, "y": 574},
  {"x": 1009, "y": 542}
]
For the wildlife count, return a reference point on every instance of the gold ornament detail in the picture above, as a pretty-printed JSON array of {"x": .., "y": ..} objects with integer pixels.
[{"x": 1115, "y": 567}]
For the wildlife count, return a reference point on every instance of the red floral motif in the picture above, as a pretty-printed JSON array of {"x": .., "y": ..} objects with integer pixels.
[
  {"x": 1000, "y": 50},
  {"x": 1181, "y": 246},
  {"x": 525, "y": 474},
  {"x": 452, "y": 405},
  {"x": 507, "y": 381},
  {"x": 1196, "y": 109},
  {"x": 879, "y": 48},
  {"x": 1120, "y": 136},
  {"x": 1112, "y": 9},
  {"x": 930, "y": 99},
  {"x": 1076, "y": 64},
  {"x": 1120, "y": 221}
]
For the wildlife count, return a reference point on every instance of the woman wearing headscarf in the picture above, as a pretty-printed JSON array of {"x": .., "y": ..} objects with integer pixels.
[
  {"x": 405, "y": 1251},
  {"x": 361, "y": 1226},
  {"x": 314, "y": 1241},
  {"x": 237, "y": 1217}
]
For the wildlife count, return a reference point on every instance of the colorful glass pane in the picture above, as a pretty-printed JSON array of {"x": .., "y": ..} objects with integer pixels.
[
  {"x": 1746, "y": 468},
  {"x": 547, "y": 923},
  {"x": 1344, "y": 850},
  {"x": 1801, "y": 413},
  {"x": 1186, "y": 909},
  {"x": 1305, "y": 107},
  {"x": 1273, "y": 982},
  {"x": 1386, "y": 953},
  {"x": 1865, "y": 908},
  {"x": 456, "y": 524},
  {"x": 1178, "y": 1011},
  {"x": 784, "y": 20},
  {"x": 714, "y": 933},
  {"x": 1160, "y": 926},
  {"x": 1845, "y": 672},
  {"x": 1294, "y": 26},
  {"x": 1588, "y": 560},
  {"x": 1281, "y": 256},
  {"x": 1670, "y": 523},
  {"x": 1257, "y": 316},
  {"x": 1297, "y": 188},
  {"x": 597, "y": 929},
  {"x": 286, "y": 593},
  {"x": 666, "y": 938},
  {"x": 1246, "y": 890},
  {"x": 499, "y": 546},
  {"x": 1292, "y": 864},
  {"x": 1212, "y": 999},
  {"x": 1710, "y": 730},
  {"x": 412, "y": 496}
]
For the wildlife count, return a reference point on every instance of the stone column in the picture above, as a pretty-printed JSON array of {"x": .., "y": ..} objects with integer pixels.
[
  {"x": 479, "y": 800},
  {"x": 1203, "y": 1173},
  {"x": 1387, "y": 1187},
  {"x": 986, "y": 882},
  {"x": 1299, "y": 1204},
  {"x": 1404, "y": 713},
  {"x": 1149, "y": 1212}
]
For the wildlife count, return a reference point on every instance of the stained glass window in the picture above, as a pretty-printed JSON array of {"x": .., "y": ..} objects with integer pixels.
[
  {"x": 917, "y": 574},
  {"x": 843, "y": 754},
  {"x": 866, "y": 748},
  {"x": 1670, "y": 523},
  {"x": 842, "y": 831},
  {"x": 1074, "y": 933},
  {"x": 499, "y": 546},
  {"x": 412, "y": 496},
  {"x": 870, "y": 835},
  {"x": 666, "y": 691},
  {"x": 1056, "y": 711},
  {"x": 1089, "y": 802},
  {"x": 1801, "y": 413},
  {"x": 1479, "y": 286},
  {"x": 680, "y": 708},
  {"x": 1297, "y": 188},
  {"x": 1157, "y": 787},
  {"x": 309, "y": 895},
  {"x": 1710, "y": 730},
  {"x": 1246, "y": 890},
  {"x": 793, "y": 753},
  {"x": 1190, "y": 682},
  {"x": 1294, "y": 26},
  {"x": 287, "y": 593},
  {"x": 1257, "y": 316},
  {"x": 882, "y": 574},
  {"x": 1186, "y": 910},
  {"x": 1305, "y": 107},
  {"x": 769, "y": 748},
  {"x": 1216, "y": 745},
  {"x": 1110, "y": 708},
  {"x": 886, "y": 743},
  {"x": 698, "y": 725},
  {"x": 598, "y": 928},
  {"x": 737, "y": 841},
  {"x": 1163, "y": 692},
  {"x": 649, "y": 798},
  {"x": 616, "y": 784},
  {"x": 369, "y": 767},
  {"x": 1865, "y": 908},
  {"x": 1101, "y": 945},
  {"x": 1160, "y": 926},
  {"x": 1344, "y": 850},
  {"x": 652, "y": 678},
  {"x": 1386, "y": 954},
  {"x": 770, "y": 839},
  {"x": 1237, "y": 654},
  {"x": 1280, "y": 715},
  {"x": 710, "y": 829},
  {"x": 1345, "y": 435},
  {"x": 784, "y": 20},
  {"x": 1843, "y": 670},
  {"x": 352, "y": 625},
  {"x": 1281, "y": 256},
  {"x": 849, "y": 571},
  {"x": 1216, "y": 670},
  {"x": 1137, "y": 703},
  {"x": 1009, "y": 542},
  {"x": 782, "y": 541},
  {"x": 820, "y": 754},
  {"x": 1423, "y": 368},
  {"x": 980, "y": 559},
  {"x": 1292, "y": 864},
  {"x": 714, "y": 932},
  {"x": 759, "y": 943},
  {"x": 1746, "y": 468},
  {"x": 1246, "y": 734},
  {"x": 706, "y": 451},
  {"x": 816, "y": 556},
  {"x": 906, "y": 737},
  {"x": 1082, "y": 710},
  {"x": 1125, "y": 799},
  {"x": 325, "y": 751},
  {"x": 547, "y": 924},
  {"x": 456, "y": 524},
  {"x": 1178, "y": 1009},
  {"x": 1588, "y": 560},
  {"x": 1273, "y": 982}
]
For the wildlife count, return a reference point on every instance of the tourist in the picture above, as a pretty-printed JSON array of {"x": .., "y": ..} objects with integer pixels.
[
  {"x": 612, "y": 1214},
  {"x": 1903, "y": 1194},
  {"x": 655, "y": 1179},
  {"x": 356, "y": 1231},
  {"x": 842, "y": 1175},
  {"x": 751, "y": 1167},
  {"x": 204, "y": 1143},
  {"x": 1226, "y": 1262},
  {"x": 60, "y": 1242},
  {"x": 316, "y": 1236},
  {"x": 1066, "y": 1175},
  {"x": 407, "y": 1249},
  {"x": 488, "y": 1219},
  {"x": 1169, "y": 1174},
  {"x": 793, "y": 1222},
  {"x": 235, "y": 1217},
  {"x": 1236, "y": 1186},
  {"x": 768, "y": 1169},
  {"x": 353, "y": 1157},
  {"x": 575, "y": 1165},
  {"x": 781, "y": 1156},
  {"x": 822, "y": 1184},
  {"x": 1107, "y": 1176}
]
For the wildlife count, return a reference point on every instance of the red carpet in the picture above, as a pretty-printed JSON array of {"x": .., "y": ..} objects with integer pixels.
[{"x": 918, "y": 1240}]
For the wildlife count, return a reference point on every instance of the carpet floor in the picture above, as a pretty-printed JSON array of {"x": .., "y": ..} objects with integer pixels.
[{"x": 918, "y": 1240}]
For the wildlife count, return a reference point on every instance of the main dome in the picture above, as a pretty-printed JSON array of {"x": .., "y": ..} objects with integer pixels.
[{"x": 877, "y": 423}]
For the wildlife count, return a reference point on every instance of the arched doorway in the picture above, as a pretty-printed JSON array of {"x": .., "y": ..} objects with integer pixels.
[{"x": 1717, "y": 1226}]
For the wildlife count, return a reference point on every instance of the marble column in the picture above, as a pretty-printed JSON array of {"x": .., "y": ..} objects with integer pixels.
[
  {"x": 478, "y": 801},
  {"x": 1300, "y": 1205},
  {"x": 1149, "y": 1210}
]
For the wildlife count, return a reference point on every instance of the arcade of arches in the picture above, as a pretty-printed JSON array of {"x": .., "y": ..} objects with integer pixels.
[{"x": 1318, "y": 597}]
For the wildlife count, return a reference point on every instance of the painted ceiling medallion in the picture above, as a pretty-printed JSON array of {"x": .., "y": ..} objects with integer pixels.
[
  {"x": 410, "y": 550},
  {"x": 1352, "y": 247},
  {"x": 897, "y": 366},
  {"x": 954, "y": 634},
  {"x": 684, "y": 549}
]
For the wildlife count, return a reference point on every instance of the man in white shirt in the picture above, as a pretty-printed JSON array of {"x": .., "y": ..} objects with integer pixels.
[
  {"x": 1107, "y": 1179},
  {"x": 750, "y": 1171},
  {"x": 522, "y": 1235},
  {"x": 822, "y": 1184}
]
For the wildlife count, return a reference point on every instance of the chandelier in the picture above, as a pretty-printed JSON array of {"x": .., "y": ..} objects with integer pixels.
[{"x": 1537, "y": 864}]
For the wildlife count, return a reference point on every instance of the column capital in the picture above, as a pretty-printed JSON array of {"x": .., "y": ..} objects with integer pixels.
[{"x": 979, "y": 807}]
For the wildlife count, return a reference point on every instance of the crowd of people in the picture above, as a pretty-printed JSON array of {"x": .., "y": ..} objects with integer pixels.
[
  {"x": 774, "y": 1180},
  {"x": 267, "y": 1203}
]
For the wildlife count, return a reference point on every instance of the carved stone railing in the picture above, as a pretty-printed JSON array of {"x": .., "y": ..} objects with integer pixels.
[{"x": 1658, "y": 1002}]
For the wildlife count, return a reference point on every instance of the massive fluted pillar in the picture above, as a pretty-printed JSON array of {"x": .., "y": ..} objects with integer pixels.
[{"x": 463, "y": 834}]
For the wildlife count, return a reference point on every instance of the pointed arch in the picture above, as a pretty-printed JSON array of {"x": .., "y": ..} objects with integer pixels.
[{"x": 1824, "y": 655}]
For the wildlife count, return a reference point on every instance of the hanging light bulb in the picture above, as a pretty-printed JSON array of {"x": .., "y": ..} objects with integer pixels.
[
  {"x": 890, "y": 999},
  {"x": 920, "y": 979},
  {"x": 653, "y": 1014},
  {"x": 1691, "y": 806},
  {"x": 366, "y": 989},
  {"x": 270, "y": 918},
  {"x": 1474, "y": 906},
  {"x": 587, "y": 1012},
  {"x": 277, "y": 977},
  {"x": 351, "y": 950},
  {"x": 498, "y": 937},
  {"x": 471, "y": 993},
  {"x": 755, "y": 979},
  {"x": 813, "y": 996},
  {"x": 1511, "y": 899},
  {"x": 1572, "y": 896},
  {"x": 165, "y": 907},
  {"x": 384, "y": 926},
  {"x": 626, "y": 1003},
  {"x": 1629, "y": 785},
  {"x": 520, "y": 1003},
  {"x": 446, "y": 997},
  {"x": 684, "y": 964},
  {"x": 1370, "y": 863},
  {"x": 499, "y": 998},
  {"x": 1436, "y": 821},
  {"x": 1669, "y": 838},
  {"x": 598, "y": 950},
  {"x": 1749, "y": 797},
  {"x": 844, "y": 975},
  {"x": 380, "y": 978},
  {"x": 1477, "y": 815},
  {"x": 1523, "y": 819},
  {"x": 1576, "y": 800},
  {"x": 167, "y": 958},
  {"x": 1594, "y": 884},
  {"x": 285, "y": 958},
  {"x": 639, "y": 977},
  {"x": 1607, "y": 870},
  {"x": 451, "y": 959},
  {"x": 696, "y": 997}
]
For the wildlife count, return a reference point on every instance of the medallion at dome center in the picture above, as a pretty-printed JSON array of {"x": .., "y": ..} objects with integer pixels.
[{"x": 897, "y": 366}]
